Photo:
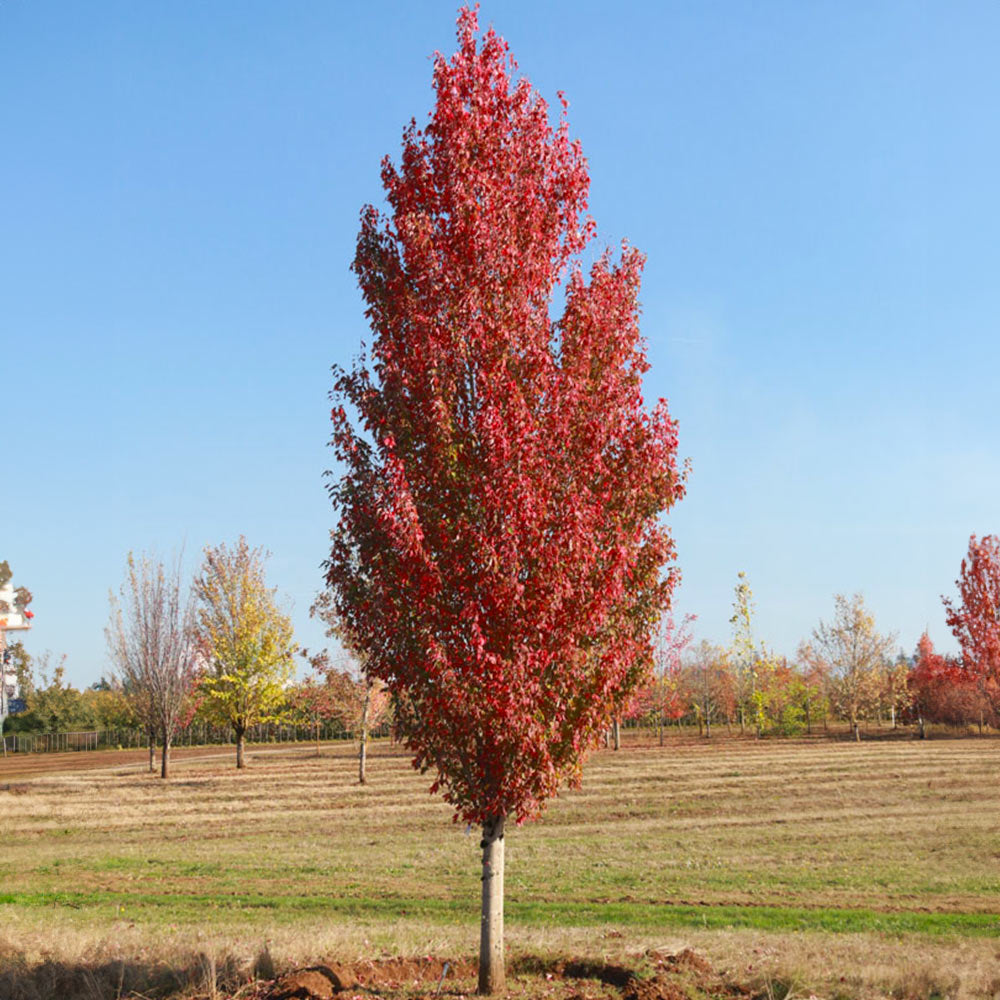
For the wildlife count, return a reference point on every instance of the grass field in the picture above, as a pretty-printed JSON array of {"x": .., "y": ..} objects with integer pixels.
[{"x": 828, "y": 867}]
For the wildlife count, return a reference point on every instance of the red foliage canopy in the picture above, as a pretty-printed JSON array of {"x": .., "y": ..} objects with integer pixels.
[
  {"x": 498, "y": 554},
  {"x": 943, "y": 691},
  {"x": 975, "y": 621}
]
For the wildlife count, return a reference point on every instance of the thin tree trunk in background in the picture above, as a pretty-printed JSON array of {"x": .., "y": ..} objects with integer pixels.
[
  {"x": 165, "y": 756},
  {"x": 152, "y": 750},
  {"x": 616, "y": 733},
  {"x": 363, "y": 749},
  {"x": 239, "y": 748},
  {"x": 491, "y": 964}
]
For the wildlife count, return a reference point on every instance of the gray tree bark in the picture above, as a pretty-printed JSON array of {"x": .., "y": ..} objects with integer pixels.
[
  {"x": 491, "y": 965},
  {"x": 165, "y": 755},
  {"x": 363, "y": 749}
]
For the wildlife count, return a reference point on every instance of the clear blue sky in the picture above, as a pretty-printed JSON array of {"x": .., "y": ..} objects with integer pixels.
[{"x": 815, "y": 186}]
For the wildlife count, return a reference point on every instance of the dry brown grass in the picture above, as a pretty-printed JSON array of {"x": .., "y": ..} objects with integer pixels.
[{"x": 155, "y": 871}]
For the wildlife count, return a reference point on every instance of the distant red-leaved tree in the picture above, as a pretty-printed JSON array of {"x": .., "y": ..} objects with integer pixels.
[
  {"x": 661, "y": 697},
  {"x": 499, "y": 554},
  {"x": 942, "y": 690},
  {"x": 975, "y": 619}
]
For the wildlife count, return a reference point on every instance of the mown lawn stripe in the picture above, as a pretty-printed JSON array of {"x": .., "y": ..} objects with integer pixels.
[{"x": 562, "y": 914}]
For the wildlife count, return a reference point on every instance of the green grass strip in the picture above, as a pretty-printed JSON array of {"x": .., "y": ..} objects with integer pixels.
[{"x": 558, "y": 914}]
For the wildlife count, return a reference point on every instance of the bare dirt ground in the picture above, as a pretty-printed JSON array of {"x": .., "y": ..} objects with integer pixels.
[{"x": 35, "y": 765}]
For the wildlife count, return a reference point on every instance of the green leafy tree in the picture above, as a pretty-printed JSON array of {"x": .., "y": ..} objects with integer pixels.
[
  {"x": 55, "y": 706},
  {"x": 108, "y": 706},
  {"x": 245, "y": 638},
  {"x": 782, "y": 694}
]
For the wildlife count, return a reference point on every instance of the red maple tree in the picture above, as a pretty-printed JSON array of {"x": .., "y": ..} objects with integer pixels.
[
  {"x": 975, "y": 620},
  {"x": 499, "y": 553},
  {"x": 943, "y": 691}
]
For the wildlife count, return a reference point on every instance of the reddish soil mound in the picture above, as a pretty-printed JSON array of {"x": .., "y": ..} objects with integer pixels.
[
  {"x": 388, "y": 973},
  {"x": 376, "y": 977},
  {"x": 676, "y": 977},
  {"x": 686, "y": 961},
  {"x": 319, "y": 981}
]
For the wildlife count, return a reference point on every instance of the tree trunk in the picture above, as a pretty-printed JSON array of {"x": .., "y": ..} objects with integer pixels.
[
  {"x": 923, "y": 732},
  {"x": 892, "y": 713},
  {"x": 616, "y": 732},
  {"x": 363, "y": 749},
  {"x": 857, "y": 730},
  {"x": 491, "y": 965},
  {"x": 708, "y": 726},
  {"x": 152, "y": 750},
  {"x": 240, "y": 732},
  {"x": 660, "y": 728},
  {"x": 165, "y": 756}
]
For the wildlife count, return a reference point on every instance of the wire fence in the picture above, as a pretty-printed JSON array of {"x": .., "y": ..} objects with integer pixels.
[{"x": 199, "y": 734}]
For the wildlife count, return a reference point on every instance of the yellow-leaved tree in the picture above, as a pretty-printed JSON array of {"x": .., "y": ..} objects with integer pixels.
[{"x": 246, "y": 639}]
